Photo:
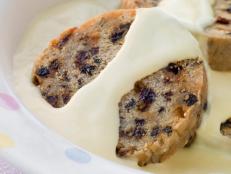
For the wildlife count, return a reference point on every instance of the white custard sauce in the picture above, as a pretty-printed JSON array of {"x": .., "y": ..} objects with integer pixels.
[
  {"x": 155, "y": 38},
  {"x": 194, "y": 14}
]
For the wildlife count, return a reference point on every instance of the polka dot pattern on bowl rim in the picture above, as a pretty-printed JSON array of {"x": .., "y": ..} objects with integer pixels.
[
  {"x": 6, "y": 168},
  {"x": 78, "y": 155},
  {"x": 8, "y": 102},
  {"x": 5, "y": 141}
]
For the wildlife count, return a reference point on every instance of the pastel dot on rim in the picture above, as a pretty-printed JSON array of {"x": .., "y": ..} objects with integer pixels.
[
  {"x": 6, "y": 168},
  {"x": 6, "y": 141},
  {"x": 78, "y": 155},
  {"x": 8, "y": 102}
]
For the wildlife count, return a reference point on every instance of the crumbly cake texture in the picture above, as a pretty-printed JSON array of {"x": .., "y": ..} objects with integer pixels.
[
  {"x": 130, "y": 4},
  {"x": 78, "y": 55},
  {"x": 162, "y": 113},
  {"x": 218, "y": 35}
]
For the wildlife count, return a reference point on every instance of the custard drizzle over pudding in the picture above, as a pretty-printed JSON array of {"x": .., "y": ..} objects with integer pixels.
[{"x": 99, "y": 134}]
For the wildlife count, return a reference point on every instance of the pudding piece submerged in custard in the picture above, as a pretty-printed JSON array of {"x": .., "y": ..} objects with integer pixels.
[{"x": 225, "y": 127}]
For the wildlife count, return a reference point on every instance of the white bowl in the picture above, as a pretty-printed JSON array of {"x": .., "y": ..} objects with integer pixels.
[{"x": 25, "y": 142}]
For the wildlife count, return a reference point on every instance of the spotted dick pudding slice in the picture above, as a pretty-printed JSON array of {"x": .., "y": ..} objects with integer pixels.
[
  {"x": 78, "y": 55},
  {"x": 219, "y": 37},
  {"x": 217, "y": 43},
  {"x": 163, "y": 112}
]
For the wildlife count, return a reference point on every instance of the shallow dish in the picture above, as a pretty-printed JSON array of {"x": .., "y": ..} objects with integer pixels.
[{"x": 29, "y": 146}]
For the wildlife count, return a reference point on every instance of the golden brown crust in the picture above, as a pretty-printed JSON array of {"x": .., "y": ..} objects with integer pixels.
[
  {"x": 219, "y": 37},
  {"x": 219, "y": 51},
  {"x": 79, "y": 54},
  {"x": 132, "y": 4}
]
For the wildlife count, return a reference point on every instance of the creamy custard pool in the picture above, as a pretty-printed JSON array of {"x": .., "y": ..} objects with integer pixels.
[{"x": 98, "y": 134}]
